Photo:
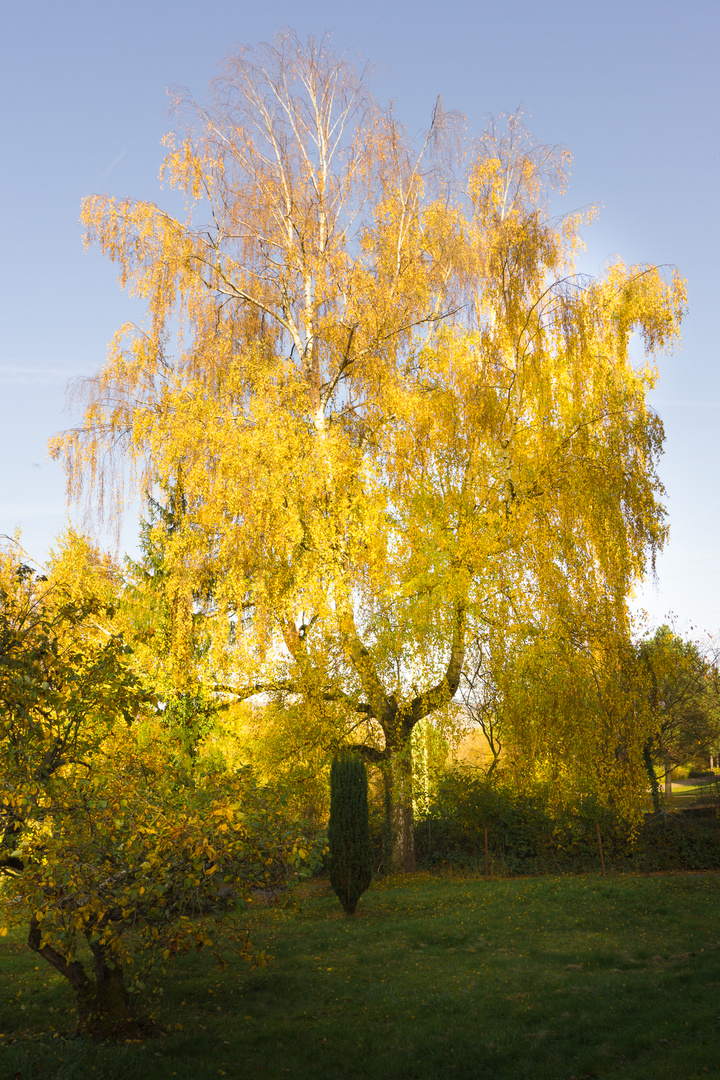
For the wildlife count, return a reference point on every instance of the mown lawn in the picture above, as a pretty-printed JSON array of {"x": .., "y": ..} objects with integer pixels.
[
  {"x": 688, "y": 790},
  {"x": 538, "y": 978}
]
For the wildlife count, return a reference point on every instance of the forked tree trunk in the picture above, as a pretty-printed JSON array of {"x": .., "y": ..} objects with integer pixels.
[
  {"x": 103, "y": 1003},
  {"x": 402, "y": 818}
]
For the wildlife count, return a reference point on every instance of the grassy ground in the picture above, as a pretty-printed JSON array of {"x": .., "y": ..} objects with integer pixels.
[
  {"x": 691, "y": 788},
  {"x": 536, "y": 978}
]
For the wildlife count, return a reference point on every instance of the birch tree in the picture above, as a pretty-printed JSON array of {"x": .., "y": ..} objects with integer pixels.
[{"x": 399, "y": 413}]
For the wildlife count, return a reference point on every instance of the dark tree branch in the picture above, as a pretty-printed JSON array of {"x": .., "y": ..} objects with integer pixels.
[
  {"x": 72, "y": 971},
  {"x": 371, "y": 753},
  {"x": 443, "y": 692},
  {"x": 11, "y": 865}
]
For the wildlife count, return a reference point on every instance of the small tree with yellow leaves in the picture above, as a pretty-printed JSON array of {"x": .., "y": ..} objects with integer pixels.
[{"x": 105, "y": 838}]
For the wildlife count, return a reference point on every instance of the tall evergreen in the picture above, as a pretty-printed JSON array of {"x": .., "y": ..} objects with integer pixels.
[{"x": 349, "y": 830}]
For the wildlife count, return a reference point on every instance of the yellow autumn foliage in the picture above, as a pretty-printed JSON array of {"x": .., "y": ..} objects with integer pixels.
[{"x": 398, "y": 412}]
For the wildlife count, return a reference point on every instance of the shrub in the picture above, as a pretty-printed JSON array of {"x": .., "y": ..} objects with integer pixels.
[
  {"x": 528, "y": 834},
  {"x": 109, "y": 841},
  {"x": 349, "y": 831}
]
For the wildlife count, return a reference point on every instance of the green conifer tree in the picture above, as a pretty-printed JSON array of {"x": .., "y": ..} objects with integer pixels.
[{"x": 349, "y": 831}]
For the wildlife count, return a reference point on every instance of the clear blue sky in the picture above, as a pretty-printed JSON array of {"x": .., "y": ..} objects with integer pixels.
[{"x": 630, "y": 86}]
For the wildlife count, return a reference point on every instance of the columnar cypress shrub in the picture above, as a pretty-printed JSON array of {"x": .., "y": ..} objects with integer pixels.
[{"x": 349, "y": 830}]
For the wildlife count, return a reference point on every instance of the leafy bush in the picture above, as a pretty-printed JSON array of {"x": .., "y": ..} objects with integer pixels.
[
  {"x": 127, "y": 858},
  {"x": 683, "y": 841},
  {"x": 529, "y": 833},
  {"x": 465, "y": 805},
  {"x": 107, "y": 839}
]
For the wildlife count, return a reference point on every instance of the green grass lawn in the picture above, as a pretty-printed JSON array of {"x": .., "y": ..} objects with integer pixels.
[
  {"x": 539, "y": 978},
  {"x": 688, "y": 788}
]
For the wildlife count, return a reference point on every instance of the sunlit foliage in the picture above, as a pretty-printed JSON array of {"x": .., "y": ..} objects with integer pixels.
[
  {"x": 398, "y": 413},
  {"x": 111, "y": 848}
]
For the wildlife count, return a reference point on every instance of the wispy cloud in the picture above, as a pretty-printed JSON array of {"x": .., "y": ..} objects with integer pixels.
[{"x": 115, "y": 161}]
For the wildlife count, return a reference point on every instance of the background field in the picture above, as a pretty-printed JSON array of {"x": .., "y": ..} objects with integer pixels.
[{"x": 541, "y": 978}]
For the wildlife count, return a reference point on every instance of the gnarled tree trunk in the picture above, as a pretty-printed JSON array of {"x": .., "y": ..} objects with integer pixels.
[
  {"x": 103, "y": 1003},
  {"x": 397, "y": 721}
]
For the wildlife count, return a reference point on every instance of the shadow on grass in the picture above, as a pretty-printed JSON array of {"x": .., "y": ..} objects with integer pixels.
[{"x": 540, "y": 978}]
